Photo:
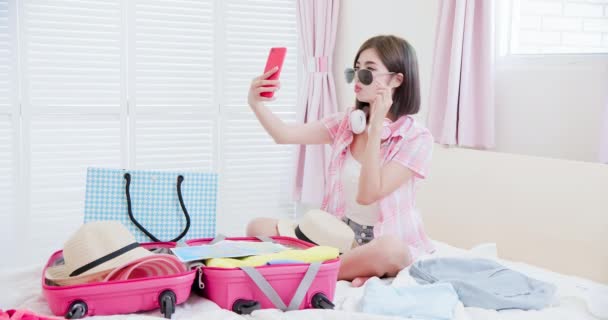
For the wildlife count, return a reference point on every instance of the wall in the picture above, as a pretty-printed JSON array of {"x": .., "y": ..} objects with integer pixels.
[
  {"x": 551, "y": 107},
  {"x": 544, "y": 107},
  {"x": 413, "y": 20}
]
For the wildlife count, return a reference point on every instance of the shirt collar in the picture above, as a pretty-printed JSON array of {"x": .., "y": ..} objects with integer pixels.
[{"x": 400, "y": 127}]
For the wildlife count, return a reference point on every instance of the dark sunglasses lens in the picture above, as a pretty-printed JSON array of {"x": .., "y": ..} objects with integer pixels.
[
  {"x": 365, "y": 76},
  {"x": 349, "y": 74}
]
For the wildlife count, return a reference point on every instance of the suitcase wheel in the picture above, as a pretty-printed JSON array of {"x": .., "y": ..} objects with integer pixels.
[
  {"x": 320, "y": 301},
  {"x": 166, "y": 301},
  {"x": 243, "y": 306},
  {"x": 78, "y": 309}
]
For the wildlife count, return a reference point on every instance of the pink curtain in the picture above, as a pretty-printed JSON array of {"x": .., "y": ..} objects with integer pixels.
[
  {"x": 317, "y": 24},
  {"x": 461, "y": 110},
  {"x": 604, "y": 137}
]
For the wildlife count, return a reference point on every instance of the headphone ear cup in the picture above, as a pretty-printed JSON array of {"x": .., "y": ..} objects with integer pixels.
[{"x": 358, "y": 121}]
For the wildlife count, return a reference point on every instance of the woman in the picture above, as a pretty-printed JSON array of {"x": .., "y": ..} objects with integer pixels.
[{"x": 373, "y": 170}]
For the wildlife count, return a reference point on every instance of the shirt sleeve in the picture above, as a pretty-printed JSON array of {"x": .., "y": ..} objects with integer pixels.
[
  {"x": 415, "y": 154},
  {"x": 332, "y": 123}
]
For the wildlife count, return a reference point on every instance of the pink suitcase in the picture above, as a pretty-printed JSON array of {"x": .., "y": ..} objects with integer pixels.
[
  {"x": 119, "y": 297},
  {"x": 286, "y": 286}
]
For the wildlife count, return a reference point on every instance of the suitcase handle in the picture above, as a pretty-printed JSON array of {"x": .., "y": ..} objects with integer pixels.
[
  {"x": 274, "y": 297},
  {"x": 180, "y": 179}
]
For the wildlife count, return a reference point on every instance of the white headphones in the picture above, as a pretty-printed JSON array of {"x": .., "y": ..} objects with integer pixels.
[{"x": 358, "y": 122}]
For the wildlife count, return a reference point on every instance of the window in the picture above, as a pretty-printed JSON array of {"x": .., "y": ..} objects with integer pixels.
[
  {"x": 557, "y": 26},
  {"x": 154, "y": 84}
]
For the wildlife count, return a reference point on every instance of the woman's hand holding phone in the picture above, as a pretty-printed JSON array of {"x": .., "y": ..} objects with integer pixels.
[
  {"x": 263, "y": 87},
  {"x": 261, "y": 84}
]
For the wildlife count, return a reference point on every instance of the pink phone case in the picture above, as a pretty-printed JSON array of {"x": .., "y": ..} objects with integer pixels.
[{"x": 275, "y": 58}]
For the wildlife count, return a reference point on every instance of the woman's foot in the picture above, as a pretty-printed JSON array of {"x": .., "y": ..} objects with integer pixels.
[{"x": 359, "y": 281}]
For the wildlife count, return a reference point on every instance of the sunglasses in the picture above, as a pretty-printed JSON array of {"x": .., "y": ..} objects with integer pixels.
[{"x": 365, "y": 76}]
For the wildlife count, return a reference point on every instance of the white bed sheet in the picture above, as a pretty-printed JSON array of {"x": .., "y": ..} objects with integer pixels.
[{"x": 576, "y": 298}]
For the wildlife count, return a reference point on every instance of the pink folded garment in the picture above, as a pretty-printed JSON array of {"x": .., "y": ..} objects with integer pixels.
[
  {"x": 24, "y": 315},
  {"x": 157, "y": 265}
]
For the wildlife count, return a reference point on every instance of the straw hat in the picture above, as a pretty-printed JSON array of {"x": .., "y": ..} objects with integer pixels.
[
  {"x": 320, "y": 228},
  {"x": 95, "y": 250}
]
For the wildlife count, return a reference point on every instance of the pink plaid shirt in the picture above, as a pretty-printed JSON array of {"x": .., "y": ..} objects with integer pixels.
[{"x": 410, "y": 145}]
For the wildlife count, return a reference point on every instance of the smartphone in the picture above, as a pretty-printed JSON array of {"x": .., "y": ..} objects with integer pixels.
[{"x": 275, "y": 58}]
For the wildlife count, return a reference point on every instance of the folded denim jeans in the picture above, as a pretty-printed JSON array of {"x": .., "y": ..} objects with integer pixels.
[{"x": 485, "y": 284}]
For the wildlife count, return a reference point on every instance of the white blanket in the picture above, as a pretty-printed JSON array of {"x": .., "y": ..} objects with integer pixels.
[{"x": 576, "y": 298}]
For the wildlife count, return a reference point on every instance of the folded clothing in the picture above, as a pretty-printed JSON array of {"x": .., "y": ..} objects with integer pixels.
[
  {"x": 314, "y": 254},
  {"x": 24, "y": 315},
  {"x": 432, "y": 302},
  {"x": 485, "y": 284}
]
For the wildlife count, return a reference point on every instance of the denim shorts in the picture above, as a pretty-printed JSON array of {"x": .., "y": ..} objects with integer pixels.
[{"x": 363, "y": 234}]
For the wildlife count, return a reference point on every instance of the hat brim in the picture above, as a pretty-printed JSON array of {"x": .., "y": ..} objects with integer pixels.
[
  {"x": 60, "y": 274},
  {"x": 287, "y": 228},
  {"x": 157, "y": 265}
]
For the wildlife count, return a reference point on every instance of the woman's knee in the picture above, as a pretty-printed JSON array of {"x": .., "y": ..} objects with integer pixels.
[
  {"x": 394, "y": 252},
  {"x": 262, "y": 227}
]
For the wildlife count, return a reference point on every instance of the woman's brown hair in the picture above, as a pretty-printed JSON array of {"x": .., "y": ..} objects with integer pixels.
[{"x": 399, "y": 57}]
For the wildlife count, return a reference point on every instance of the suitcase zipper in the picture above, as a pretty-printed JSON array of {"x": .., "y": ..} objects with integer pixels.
[{"x": 199, "y": 272}]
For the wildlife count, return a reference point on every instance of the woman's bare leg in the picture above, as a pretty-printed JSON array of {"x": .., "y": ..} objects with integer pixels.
[
  {"x": 266, "y": 227},
  {"x": 381, "y": 257}
]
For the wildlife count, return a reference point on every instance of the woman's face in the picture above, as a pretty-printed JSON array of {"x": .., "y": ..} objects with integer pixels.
[{"x": 368, "y": 59}]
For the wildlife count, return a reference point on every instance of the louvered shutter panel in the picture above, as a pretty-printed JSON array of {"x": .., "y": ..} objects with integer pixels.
[
  {"x": 256, "y": 173},
  {"x": 9, "y": 121},
  {"x": 172, "y": 84},
  {"x": 73, "y": 101}
]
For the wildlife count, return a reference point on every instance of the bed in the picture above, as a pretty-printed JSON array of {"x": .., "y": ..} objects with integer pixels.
[
  {"x": 546, "y": 218},
  {"x": 577, "y": 298}
]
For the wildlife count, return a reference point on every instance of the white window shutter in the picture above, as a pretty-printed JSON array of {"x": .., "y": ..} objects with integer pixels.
[
  {"x": 72, "y": 97},
  {"x": 172, "y": 87},
  {"x": 153, "y": 84},
  {"x": 9, "y": 121},
  {"x": 256, "y": 173}
]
